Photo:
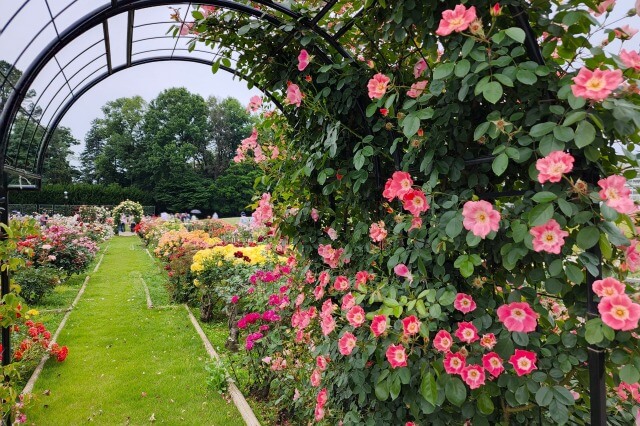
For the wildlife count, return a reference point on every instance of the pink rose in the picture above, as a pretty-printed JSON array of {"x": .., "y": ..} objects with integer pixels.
[
  {"x": 294, "y": 95},
  {"x": 454, "y": 363},
  {"x": 553, "y": 166},
  {"x": 597, "y": 84},
  {"x": 467, "y": 332},
  {"x": 464, "y": 303},
  {"x": 518, "y": 316},
  {"x": 419, "y": 67},
  {"x": 416, "y": 89},
  {"x": 603, "y": 7},
  {"x": 377, "y": 86},
  {"x": 492, "y": 363},
  {"x": 415, "y": 202},
  {"x": 608, "y": 287},
  {"x": 630, "y": 59},
  {"x": 480, "y": 218},
  {"x": 347, "y": 343},
  {"x": 619, "y": 312},
  {"x": 402, "y": 271},
  {"x": 377, "y": 231},
  {"x": 524, "y": 362},
  {"x": 397, "y": 185},
  {"x": 443, "y": 341},
  {"x": 396, "y": 356},
  {"x": 615, "y": 194},
  {"x": 355, "y": 316},
  {"x": 410, "y": 325},
  {"x": 456, "y": 20},
  {"x": 379, "y": 325},
  {"x": 548, "y": 237},
  {"x": 473, "y": 376},
  {"x": 303, "y": 60}
]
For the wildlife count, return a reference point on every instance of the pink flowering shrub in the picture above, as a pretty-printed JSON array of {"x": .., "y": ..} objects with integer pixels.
[{"x": 475, "y": 187}]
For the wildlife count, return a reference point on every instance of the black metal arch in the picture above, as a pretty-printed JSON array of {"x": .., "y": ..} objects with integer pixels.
[
  {"x": 99, "y": 17},
  {"x": 97, "y": 80}
]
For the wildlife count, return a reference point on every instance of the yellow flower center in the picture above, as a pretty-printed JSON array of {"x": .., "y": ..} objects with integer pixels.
[
  {"x": 456, "y": 22},
  {"x": 595, "y": 84},
  {"x": 524, "y": 363},
  {"x": 620, "y": 312}
]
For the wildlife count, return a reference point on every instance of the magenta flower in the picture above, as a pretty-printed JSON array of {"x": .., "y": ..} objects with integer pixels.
[
  {"x": 415, "y": 202},
  {"x": 443, "y": 341},
  {"x": 402, "y": 271},
  {"x": 341, "y": 283},
  {"x": 396, "y": 356},
  {"x": 355, "y": 316},
  {"x": 303, "y": 60},
  {"x": 493, "y": 363},
  {"x": 410, "y": 326},
  {"x": 347, "y": 343},
  {"x": 467, "y": 332},
  {"x": 379, "y": 325},
  {"x": 397, "y": 185},
  {"x": 524, "y": 362},
  {"x": 454, "y": 363}
]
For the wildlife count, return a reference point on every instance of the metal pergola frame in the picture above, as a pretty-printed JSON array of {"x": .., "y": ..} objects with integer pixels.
[{"x": 100, "y": 17}]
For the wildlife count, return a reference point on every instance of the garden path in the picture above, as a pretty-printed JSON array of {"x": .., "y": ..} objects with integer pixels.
[{"x": 128, "y": 364}]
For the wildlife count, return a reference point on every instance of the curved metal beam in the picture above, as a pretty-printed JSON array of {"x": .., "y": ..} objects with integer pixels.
[
  {"x": 63, "y": 111},
  {"x": 107, "y": 11}
]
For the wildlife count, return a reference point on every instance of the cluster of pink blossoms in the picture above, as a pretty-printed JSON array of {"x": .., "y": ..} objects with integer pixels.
[
  {"x": 263, "y": 215},
  {"x": 626, "y": 390},
  {"x": 616, "y": 308},
  {"x": 331, "y": 256},
  {"x": 400, "y": 186},
  {"x": 254, "y": 103}
]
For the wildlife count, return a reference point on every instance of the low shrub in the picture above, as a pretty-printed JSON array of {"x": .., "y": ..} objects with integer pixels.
[{"x": 35, "y": 283}]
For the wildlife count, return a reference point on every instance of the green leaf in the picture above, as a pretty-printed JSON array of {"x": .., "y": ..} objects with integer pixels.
[
  {"x": 522, "y": 395},
  {"x": 481, "y": 130},
  {"x": 540, "y": 214},
  {"x": 462, "y": 68},
  {"x": 443, "y": 71},
  {"x": 455, "y": 391},
  {"x": 542, "y": 129},
  {"x": 410, "y": 125},
  {"x": 629, "y": 374},
  {"x": 585, "y": 134},
  {"x": 593, "y": 331},
  {"x": 544, "y": 197},
  {"x": 544, "y": 396},
  {"x": 358, "y": 160},
  {"x": 394, "y": 389},
  {"x": 454, "y": 227},
  {"x": 565, "y": 134},
  {"x": 382, "y": 391},
  {"x": 563, "y": 396},
  {"x": 521, "y": 339},
  {"x": 428, "y": 388},
  {"x": 526, "y": 77},
  {"x": 500, "y": 164},
  {"x": 516, "y": 34},
  {"x": 371, "y": 109},
  {"x": 574, "y": 117},
  {"x": 574, "y": 273},
  {"x": 588, "y": 237},
  {"x": 492, "y": 92},
  {"x": 485, "y": 405}
]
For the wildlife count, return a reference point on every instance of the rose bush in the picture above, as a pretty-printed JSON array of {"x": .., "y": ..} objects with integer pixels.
[{"x": 459, "y": 187}]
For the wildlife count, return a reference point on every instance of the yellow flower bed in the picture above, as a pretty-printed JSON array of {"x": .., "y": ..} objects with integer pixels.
[{"x": 257, "y": 255}]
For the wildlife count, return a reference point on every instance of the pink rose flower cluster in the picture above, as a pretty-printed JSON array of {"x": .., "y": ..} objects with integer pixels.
[
  {"x": 596, "y": 85},
  {"x": 400, "y": 186},
  {"x": 263, "y": 215},
  {"x": 331, "y": 256},
  {"x": 616, "y": 308},
  {"x": 254, "y": 104}
]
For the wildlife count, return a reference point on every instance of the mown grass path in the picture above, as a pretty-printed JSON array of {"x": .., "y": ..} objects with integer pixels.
[{"x": 128, "y": 364}]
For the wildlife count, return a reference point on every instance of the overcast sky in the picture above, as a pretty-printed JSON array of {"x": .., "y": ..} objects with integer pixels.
[{"x": 145, "y": 80}]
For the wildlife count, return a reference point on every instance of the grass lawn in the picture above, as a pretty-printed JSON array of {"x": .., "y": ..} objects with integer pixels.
[
  {"x": 231, "y": 220},
  {"x": 128, "y": 364}
]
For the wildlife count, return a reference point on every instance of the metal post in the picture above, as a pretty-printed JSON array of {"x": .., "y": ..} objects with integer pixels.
[
  {"x": 4, "y": 275},
  {"x": 597, "y": 384}
]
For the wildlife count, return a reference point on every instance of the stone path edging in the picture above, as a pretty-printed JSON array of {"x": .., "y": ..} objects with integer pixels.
[
  {"x": 36, "y": 373},
  {"x": 238, "y": 399}
]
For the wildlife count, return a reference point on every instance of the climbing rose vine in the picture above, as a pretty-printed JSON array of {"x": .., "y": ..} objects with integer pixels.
[{"x": 454, "y": 193}]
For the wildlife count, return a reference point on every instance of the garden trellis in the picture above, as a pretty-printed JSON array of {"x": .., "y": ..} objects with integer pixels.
[{"x": 79, "y": 55}]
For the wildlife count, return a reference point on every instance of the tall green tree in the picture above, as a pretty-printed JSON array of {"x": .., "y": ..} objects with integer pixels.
[
  {"x": 114, "y": 142},
  {"x": 229, "y": 124},
  {"x": 232, "y": 192},
  {"x": 56, "y": 167}
]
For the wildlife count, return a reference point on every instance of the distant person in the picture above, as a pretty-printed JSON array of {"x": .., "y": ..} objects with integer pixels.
[
  {"x": 43, "y": 219},
  {"x": 244, "y": 220},
  {"x": 123, "y": 220},
  {"x": 215, "y": 215}
]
